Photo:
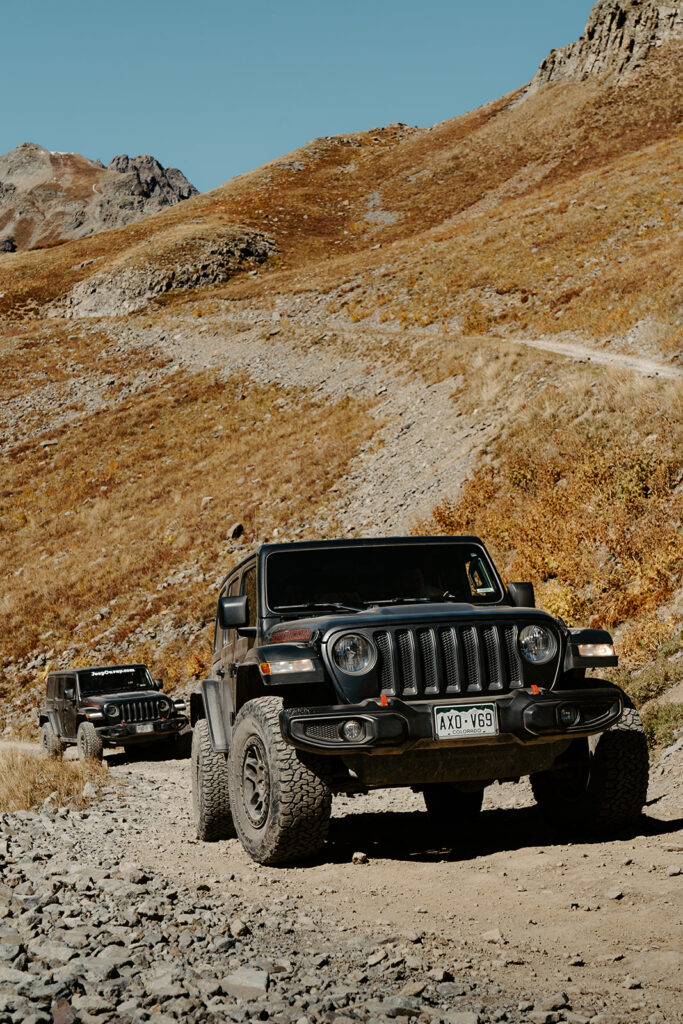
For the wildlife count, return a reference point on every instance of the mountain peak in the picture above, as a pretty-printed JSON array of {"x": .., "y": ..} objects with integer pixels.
[
  {"x": 48, "y": 197},
  {"x": 619, "y": 37}
]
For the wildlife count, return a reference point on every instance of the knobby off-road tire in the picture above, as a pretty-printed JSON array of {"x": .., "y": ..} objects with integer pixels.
[
  {"x": 50, "y": 742},
  {"x": 449, "y": 808},
  {"x": 210, "y": 798},
  {"x": 280, "y": 805},
  {"x": 607, "y": 789},
  {"x": 89, "y": 742}
]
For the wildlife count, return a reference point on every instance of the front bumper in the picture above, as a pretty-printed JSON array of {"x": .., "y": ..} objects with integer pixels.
[
  {"x": 130, "y": 732},
  {"x": 523, "y": 717}
]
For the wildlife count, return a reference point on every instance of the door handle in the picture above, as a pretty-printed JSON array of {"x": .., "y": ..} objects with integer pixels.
[{"x": 220, "y": 672}]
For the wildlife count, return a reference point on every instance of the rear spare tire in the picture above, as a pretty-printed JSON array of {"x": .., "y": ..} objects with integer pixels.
[
  {"x": 89, "y": 742},
  {"x": 600, "y": 783},
  {"x": 210, "y": 797},
  {"x": 280, "y": 804}
]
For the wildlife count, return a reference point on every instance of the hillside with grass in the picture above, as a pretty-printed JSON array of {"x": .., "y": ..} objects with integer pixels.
[{"x": 471, "y": 327}]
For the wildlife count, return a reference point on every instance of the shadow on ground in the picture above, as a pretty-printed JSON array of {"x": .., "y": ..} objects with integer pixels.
[{"x": 411, "y": 837}]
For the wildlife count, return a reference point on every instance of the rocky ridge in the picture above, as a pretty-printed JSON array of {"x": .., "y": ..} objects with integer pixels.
[
  {"x": 619, "y": 36},
  {"x": 188, "y": 263},
  {"x": 47, "y": 197}
]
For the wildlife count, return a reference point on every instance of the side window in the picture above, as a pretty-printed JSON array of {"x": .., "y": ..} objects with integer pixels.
[
  {"x": 50, "y": 687},
  {"x": 249, "y": 588},
  {"x": 228, "y": 636},
  {"x": 59, "y": 687},
  {"x": 69, "y": 683},
  {"x": 480, "y": 581}
]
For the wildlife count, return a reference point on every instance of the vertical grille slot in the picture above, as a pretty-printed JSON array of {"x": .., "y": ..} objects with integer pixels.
[
  {"x": 451, "y": 660},
  {"x": 406, "y": 654},
  {"x": 429, "y": 657},
  {"x": 386, "y": 668},
  {"x": 514, "y": 663},
  {"x": 470, "y": 643},
  {"x": 494, "y": 665}
]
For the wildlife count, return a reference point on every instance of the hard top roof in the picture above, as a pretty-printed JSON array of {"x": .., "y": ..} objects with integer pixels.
[{"x": 93, "y": 668}]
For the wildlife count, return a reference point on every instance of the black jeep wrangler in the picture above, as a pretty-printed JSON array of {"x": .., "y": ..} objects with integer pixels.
[
  {"x": 108, "y": 706},
  {"x": 345, "y": 665}
]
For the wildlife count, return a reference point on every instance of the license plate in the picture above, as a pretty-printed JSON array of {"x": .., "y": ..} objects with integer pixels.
[
  {"x": 146, "y": 727},
  {"x": 453, "y": 721}
]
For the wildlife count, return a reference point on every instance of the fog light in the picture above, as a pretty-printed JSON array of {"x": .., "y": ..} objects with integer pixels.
[
  {"x": 353, "y": 730},
  {"x": 569, "y": 715}
]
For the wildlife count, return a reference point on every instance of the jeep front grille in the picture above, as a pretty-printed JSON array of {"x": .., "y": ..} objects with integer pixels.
[
  {"x": 425, "y": 662},
  {"x": 146, "y": 710}
]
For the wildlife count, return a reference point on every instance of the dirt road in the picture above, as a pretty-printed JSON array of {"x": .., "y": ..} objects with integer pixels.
[
  {"x": 514, "y": 905},
  {"x": 117, "y": 914}
]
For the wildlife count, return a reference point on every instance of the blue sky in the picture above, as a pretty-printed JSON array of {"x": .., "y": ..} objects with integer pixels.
[{"x": 217, "y": 87}]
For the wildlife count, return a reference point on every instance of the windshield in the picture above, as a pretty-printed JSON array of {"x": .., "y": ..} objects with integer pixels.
[
  {"x": 360, "y": 576},
  {"x": 96, "y": 681}
]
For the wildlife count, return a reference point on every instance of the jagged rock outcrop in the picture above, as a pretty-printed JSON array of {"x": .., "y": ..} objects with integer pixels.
[
  {"x": 177, "y": 264},
  {"x": 152, "y": 179},
  {"x": 47, "y": 197},
  {"x": 619, "y": 36}
]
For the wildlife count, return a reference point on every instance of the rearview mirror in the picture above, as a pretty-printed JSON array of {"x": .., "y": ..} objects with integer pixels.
[
  {"x": 522, "y": 595},
  {"x": 233, "y": 612}
]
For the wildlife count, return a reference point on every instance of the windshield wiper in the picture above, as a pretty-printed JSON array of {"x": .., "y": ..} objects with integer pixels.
[{"x": 312, "y": 605}]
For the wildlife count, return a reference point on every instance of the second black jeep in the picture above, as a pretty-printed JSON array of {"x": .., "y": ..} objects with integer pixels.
[
  {"x": 346, "y": 665},
  {"x": 108, "y": 706}
]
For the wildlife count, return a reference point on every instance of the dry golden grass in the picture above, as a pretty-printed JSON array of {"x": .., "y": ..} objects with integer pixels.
[
  {"x": 112, "y": 511},
  {"x": 582, "y": 494},
  {"x": 27, "y": 779}
]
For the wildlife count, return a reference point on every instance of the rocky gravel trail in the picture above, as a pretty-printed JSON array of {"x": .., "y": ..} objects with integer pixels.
[{"x": 117, "y": 913}]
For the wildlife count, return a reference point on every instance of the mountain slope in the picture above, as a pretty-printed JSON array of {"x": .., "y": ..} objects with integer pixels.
[{"x": 47, "y": 197}]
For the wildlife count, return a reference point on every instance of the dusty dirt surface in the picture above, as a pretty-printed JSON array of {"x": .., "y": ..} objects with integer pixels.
[{"x": 513, "y": 907}]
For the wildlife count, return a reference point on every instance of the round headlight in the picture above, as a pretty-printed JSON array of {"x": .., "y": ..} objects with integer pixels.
[
  {"x": 111, "y": 710},
  {"x": 537, "y": 644},
  {"x": 164, "y": 706},
  {"x": 353, "y": 653}
]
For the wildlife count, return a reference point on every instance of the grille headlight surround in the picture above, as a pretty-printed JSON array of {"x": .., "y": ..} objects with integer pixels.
[
  {"x": 111, "y": 710},
  {"x": 537, "y": 644},
  {"x": 164, "y": 706},
  {"x": 354, "y": 654}
]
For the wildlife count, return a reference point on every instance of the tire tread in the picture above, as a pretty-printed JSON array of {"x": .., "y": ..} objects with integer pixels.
[
  {"x": 210, "y": 796},
  {"x": 304, "y": 801}
]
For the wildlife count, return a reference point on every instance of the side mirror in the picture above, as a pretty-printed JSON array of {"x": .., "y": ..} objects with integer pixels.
[
  {"x": 233, "y": 612},
  {"x": 159, "y": 683},
  {"x": 69, "y": 693},
  {"x": 522, "y": 595}
]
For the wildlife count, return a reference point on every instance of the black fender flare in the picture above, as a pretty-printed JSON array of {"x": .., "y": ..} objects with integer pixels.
[
  {"x": 53, "y": 718},
  {"x": 217, "y": 708}
]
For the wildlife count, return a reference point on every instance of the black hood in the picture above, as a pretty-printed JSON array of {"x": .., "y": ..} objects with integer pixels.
[
  {"x": 422, "y": 613},
  {"x": 110, "y": 698}
]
